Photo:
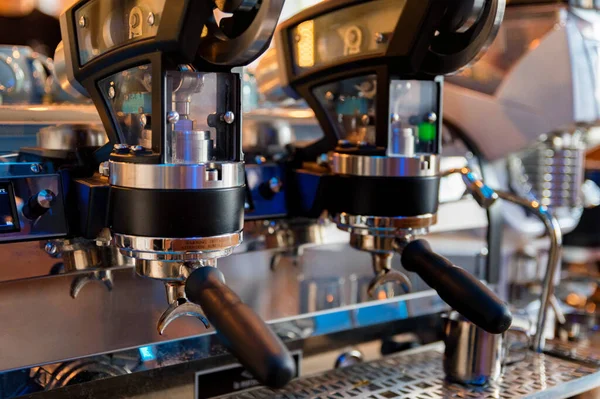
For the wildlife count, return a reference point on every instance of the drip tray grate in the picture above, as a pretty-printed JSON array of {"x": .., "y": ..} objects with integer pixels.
[{"x": 419, "y": 375}]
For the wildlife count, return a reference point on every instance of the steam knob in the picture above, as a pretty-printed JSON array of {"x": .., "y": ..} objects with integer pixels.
[{"x": 38, "y": 204}]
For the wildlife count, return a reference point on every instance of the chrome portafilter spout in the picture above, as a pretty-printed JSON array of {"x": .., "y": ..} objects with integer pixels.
[
  {"x": 381, "y": 243},
  {"x": 486, "y": 197},
  {"x": 174, "y": 275},
  {"x": 90, "y": 261}
]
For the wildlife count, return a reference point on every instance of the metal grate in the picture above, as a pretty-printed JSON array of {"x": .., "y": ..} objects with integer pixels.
[
  {"x": 579, "y": 352},
  {"x": 420, "y": 376}
]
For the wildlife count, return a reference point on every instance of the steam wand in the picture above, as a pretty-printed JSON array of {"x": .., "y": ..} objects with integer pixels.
[{"x": 486, "y": 197}]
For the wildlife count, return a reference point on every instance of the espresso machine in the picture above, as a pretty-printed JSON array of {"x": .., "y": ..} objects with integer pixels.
[
  {"x": 534, "y": 124},
  {"x": 169, "y": 195}
]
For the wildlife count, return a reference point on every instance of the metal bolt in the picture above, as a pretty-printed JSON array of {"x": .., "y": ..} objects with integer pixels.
[
  {"x": 143, "y": 120},
  {"x": 151, "y": 19},
  {"x": 137, "y": 148},
  {"x": 173, "y": 117},
  {"x": 329, "y": 96},
  {"x": 228, "y": 117},
  {"x": 212, "y": 174},
  {"x": 395, "y": 118},
  {"x": 111, "y": 92},
  {"x": 104, "y": 169},
  {"x": 50, "y": 248},
  {"x": 365, "y": 120},
  {"x": 323, "y": 160},
  {"x": 432, "y": 117},
  {"x": 122, "y": 147},
  {"x": 35, "y": 168},
  {"x": 275, "y": 184},
  {"x": 45, "y": 198},
  {"x": 379, "y": 37},
  {"x": 82, "y": 21}
]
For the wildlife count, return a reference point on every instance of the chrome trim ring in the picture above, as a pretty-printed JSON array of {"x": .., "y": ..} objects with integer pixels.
[
  {"x": 177, "y": 249},
  {"x": 378, "y": 166},
  {"x": 373, "y": 243},
  {"x": 376, "y": 225},
  {"x": 177, "y": 177},
  {"x": 160, "y": 270}
]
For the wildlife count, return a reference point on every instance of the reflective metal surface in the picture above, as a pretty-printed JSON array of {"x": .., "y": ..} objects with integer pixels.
[
  {"x": 357, "y": 165},
  {"x": 553, "y": 232},
  {"x": 418, "y": 374},
  {"x": 472, "y": 355},
  {"x": 357, "y": 224},
  {"x": 326, "y": 287},
  {"x": 176, "y": 177},
  {"x": 552, "y": 170},
  {"x": 71, "y": 137},
  {"x": 177, "y": 249}
]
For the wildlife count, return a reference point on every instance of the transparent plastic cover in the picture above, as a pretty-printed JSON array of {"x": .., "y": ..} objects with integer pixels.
[
  {"x": 207, "y": 129},
  {"x": 350, "y": 106},
  {"x": 129, "y": 95},
  {"x": 414, "y": 117},
  {"x": 105, "y": 24}
]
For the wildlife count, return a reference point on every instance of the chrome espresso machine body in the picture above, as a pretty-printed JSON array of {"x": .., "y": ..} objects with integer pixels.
[{"x": 170, "y": 193}]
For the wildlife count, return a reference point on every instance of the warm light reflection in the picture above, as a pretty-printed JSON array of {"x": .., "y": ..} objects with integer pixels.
[
  {"x": 329, "y": 298},
  {"x": 590, "y": 307},
  {"x": 305, "y": 46},
  {"x": 301, "y": 113},
  {"x": 574, "y": 300},
  {"x": 381, "y": 295},
  {"x": 534, "y": 44}
]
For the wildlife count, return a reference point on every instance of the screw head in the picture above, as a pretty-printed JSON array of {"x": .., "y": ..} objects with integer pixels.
[
  {"x": 329, "y": 96},
  {"x": 143, "y": 120},
  {"x": 121, "y": 147},
  {"x": 111, "y": 92},
  {"x": 137, "y": 148},
  {"x": 379, "y": 37},
  {"x": 104, "y": 169},
  {"x": 275, "y": 184},
  {"x": 45, "y": 198},
  {"x": 36, "y": 168},
  {"x": 228, "y": 117},
  {"x": 172, "y": 117},
  {"x": 432, "y": 117},
  {"x": 151, "y": 19},
  {"x": 322, "y": 159},
  {"x": 365, "y": 119},
  {"x": 50, "y": 248},
  {"x": 82, "y": 21},
  {"x": 395, "y": 118}
]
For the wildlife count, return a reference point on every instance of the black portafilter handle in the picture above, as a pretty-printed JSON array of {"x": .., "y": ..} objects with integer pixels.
[
  {"x": 245, "y": 334},
  {"x": 458, "y": 288}
]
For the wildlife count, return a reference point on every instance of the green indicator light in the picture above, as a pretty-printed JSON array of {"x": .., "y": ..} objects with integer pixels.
[{"x": 427, "y": 131}]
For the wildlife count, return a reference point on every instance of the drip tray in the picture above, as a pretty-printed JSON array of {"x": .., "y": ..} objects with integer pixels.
[{"x": 419, "y": 375}]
